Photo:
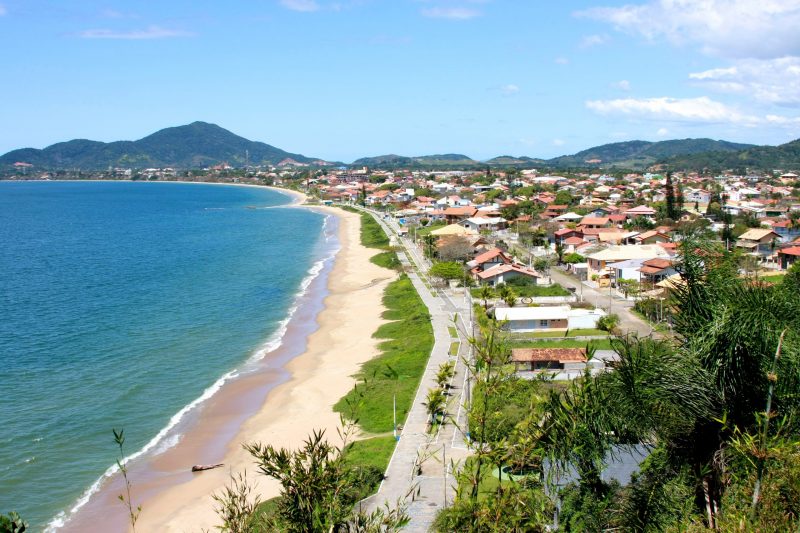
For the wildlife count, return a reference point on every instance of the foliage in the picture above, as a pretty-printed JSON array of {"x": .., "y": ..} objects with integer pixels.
[
  {"x": 447, "y": 270},
  {"x": 12, "y": 523},
  {"x": 454, "y": 248},
  {"x": 608, "y": 322},
  {"x": 386, "y": 260},
  {"x": 319, "y": 489},
  {"x": 587, "y": 510},
  {"x": 399, "y": 367},
  {"x": 573, "y": 258},
  {"x": 133, "y": 515},
  {"x": 372, "y": 234},
  {"x": 237, "y": 506}
]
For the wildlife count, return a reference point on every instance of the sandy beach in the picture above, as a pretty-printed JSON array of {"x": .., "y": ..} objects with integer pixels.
[{"x": 319, "y": 378}]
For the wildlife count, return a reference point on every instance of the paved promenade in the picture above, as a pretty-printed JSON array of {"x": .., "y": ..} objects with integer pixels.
[{"x": 421, "y": 468}]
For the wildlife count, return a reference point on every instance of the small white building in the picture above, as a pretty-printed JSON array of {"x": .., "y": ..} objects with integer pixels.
[{"x": 560, "y": 317}]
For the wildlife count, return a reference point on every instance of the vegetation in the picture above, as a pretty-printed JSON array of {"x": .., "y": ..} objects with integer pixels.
[
  {"x": 447, "y": 270},
  {"x": 386, "y": 260},
  {"x": 718, "y": 406},
  {"x": 372, "y": 234},
  {"x": 12, "y": 523}
]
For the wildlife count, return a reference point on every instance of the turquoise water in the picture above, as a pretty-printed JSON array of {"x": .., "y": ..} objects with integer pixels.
[{"x": 120, "y": 304}]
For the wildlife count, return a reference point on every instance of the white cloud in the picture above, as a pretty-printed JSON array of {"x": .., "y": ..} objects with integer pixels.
[
  {"x": 451, "y": 13},
  {"x": 589, "y": 41},
  {"x": 509, "y": 89},
  {"x": 151, "y": 32},
  {"x": 729, "y": 28},
  {"x": 771, "y": 81},
  {"x": 561, "y": 60},
  {"x": 662, "y": 132},
  {"x": 304, "y": 6},
  {"x": 559, "y": 142},
  {"x": 701, "y": 110},
  {"x": 623, "y": 85},
  {"x": 3, "y": 10}
]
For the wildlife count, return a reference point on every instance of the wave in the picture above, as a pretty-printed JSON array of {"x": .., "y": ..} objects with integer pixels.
[{"x": 270, "y": 345}]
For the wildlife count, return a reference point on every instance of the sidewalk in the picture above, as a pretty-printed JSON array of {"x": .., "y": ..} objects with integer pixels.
[{"x": 420, "y": 470}]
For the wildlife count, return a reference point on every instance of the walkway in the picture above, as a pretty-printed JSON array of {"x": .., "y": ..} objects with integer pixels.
[{"x": 421, "y": 468}]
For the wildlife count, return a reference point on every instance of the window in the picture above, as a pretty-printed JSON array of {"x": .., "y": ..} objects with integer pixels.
[{"x": 544, "y": 323}]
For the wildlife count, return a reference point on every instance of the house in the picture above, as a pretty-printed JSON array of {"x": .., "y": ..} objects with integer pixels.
[
  {"x": 590, "y": 222},
  {"x": 655, "y": 270},
  {"x": 758, "y": 241},
  {"x": 559, "y": 317},
  {"x": 489, "y": 259},
  {"x": 565, "y": 233},
  {"x": 484, "y": 224},
  {"x": 614, "y": 254},
  {"x": 788, "y": 256},
  {"x": 651, "y": 237},
  {"x": 502, "y": 273},
  {"x": 626, "y": 270},
  {"x": 640, "y": 211},
  {"x": 454, "y": 215},
  {"x": 452, "y": 229},
  {"x": 559, "y": 359}
]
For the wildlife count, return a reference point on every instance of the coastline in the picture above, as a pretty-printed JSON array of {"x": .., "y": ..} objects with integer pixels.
[{"x": 285, "y": 398}]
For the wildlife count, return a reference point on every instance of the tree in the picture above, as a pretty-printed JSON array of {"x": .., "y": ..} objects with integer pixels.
[
  {"x": 573, "y": 258},
  {"x": 319, "y": 489},
  {"x": 455, "y": 248},
  {"x": 447, "y": 270},
  {"x": 563, "y": 197},
  {"x": 608, "y": 322},
  {"x": 485, "y": 293},
  {"x": 669, "y": 192}
]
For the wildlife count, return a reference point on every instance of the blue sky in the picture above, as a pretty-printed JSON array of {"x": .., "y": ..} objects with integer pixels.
[{"x": 351, "y": 78}]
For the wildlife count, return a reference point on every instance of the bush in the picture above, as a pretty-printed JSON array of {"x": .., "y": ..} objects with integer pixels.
[{"x": 608, "y": 322}]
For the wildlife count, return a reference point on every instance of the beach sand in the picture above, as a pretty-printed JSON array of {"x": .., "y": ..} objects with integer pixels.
[{"x": 319, "y": 377}]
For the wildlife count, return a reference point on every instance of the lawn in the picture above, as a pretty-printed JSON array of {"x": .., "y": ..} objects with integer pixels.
[
  {"x": 601, "y": 344},
  {"x": 565, "y": 334},
  {"x": 453, "y": 331},
  {"x": 372, "y": 234},
  {"x": 532, "y": 291},
  {"x": 421, "y": 232},
  {"x": 454, "y": 348},
  {"x": 374, "y": 452},
  {"x": 406, "y": 346},
  {"x": 772, "y": 279},
  {"x": 386, "y": 260}
]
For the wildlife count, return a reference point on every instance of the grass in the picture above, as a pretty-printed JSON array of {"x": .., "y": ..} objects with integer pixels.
[
  {"x": 601, "y": 344},
  {"x": 421, "y": 232},
  {"x": 386, "y": 260},
  {"x": 454, "y": 348},
  {"x": 453, "y": 331},
  {"x": 372, "y": 234},
  {"x": 532, "y": 291},
  {"x": 375, "y": 452},
  {"x": 772, "y": 279},
  {"x": 407, "y": 343}
]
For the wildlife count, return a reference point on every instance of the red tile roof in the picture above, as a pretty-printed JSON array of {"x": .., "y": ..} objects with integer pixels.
[{"x": 562, "y": 355}]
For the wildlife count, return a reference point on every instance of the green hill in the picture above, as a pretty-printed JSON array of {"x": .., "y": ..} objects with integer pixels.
[
  {"x": 640, "y": 154},
  {"x": 784, "y": 156},
  {"x": 196, "y": 145}
]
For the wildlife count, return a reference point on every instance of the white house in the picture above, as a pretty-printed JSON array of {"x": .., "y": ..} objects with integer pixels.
[{"x": 560, "y": 317}]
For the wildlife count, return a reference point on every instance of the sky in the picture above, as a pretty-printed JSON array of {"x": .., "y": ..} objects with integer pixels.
[{"x": 343, "y": 79}]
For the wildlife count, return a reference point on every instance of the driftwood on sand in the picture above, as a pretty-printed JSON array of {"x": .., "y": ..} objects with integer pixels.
[{"x": 200, "y": 468}]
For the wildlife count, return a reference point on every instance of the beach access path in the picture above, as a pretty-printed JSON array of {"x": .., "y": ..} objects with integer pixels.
[{"x": 421, "y": 469}]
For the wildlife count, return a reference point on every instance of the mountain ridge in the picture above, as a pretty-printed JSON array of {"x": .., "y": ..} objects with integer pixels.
[{"x": 196, "y": 145}]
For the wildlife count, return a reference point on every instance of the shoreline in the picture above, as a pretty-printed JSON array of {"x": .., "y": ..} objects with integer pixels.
[{"x": 284, "y": 388}]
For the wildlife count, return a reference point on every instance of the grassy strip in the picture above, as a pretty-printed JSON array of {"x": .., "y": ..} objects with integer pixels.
[
  {"x": 532, "y": 291},
  {"x": 421, "y": 232},
  {"x": 386, "y": 260},
  {"x": 453, "y": 332},
  {"x": 454, "y": 348},
  {"x": 397, "y": 371},
  {"x": 374, "y": 452},
  {"x": 372, "y": 234},
  {"x": 601, "y": 344}
]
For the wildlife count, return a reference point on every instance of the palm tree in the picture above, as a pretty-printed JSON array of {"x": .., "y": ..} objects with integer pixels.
[
  {"x": 435, "y": 402},
  {"x": 484, "y": 293}
]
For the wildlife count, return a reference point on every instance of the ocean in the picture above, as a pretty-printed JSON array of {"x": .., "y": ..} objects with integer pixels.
[{"x": 125, "y": 305}]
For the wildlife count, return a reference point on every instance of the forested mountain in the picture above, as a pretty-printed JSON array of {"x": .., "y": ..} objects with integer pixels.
[
  {"x": 640, "y": 154},
  {"x": 195, "y": 145},
  {"x": 784, "y": 156}
]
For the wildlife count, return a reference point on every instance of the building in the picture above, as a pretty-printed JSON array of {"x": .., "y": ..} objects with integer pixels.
[
  {"x": 758, "y": 241},
  {"x": 598, "y": 261},
  {"x": 559, "y": 317},
  {"x": 788, "y": 256},
  {"x": 556, "y": 359}
]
